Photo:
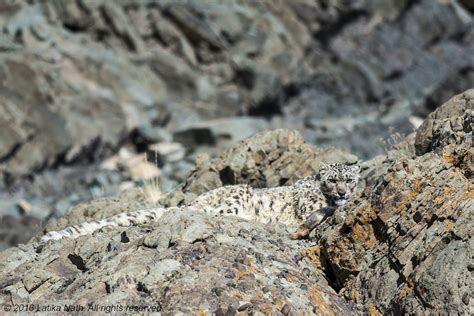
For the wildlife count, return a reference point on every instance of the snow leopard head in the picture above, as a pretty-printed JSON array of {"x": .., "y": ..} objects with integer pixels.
[{"x": 338, "y": 182}]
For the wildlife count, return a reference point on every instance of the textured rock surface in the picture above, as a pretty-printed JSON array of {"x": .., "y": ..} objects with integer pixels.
[
  {"x": 72, "y": 68},
  {"x": 188, "y": 262},
  {"x": 405, "y": 246},
  {"x": 81, "y": 80}
]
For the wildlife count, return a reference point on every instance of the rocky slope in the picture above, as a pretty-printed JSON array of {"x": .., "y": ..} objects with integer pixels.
[
  {"x": 405, "y": 247},
  {"x": 85, "y": 80}
]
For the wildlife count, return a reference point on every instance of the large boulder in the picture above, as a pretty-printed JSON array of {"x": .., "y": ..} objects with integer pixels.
[{"x": 407, "y": 242}]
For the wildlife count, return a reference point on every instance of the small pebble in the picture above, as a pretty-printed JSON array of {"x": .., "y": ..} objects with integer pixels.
[
  {"x": 218, "y": 291},
  {"x": 306, "y": 272},
  {"x": 286, "y": 309},
  {"x": 466, "y": 298},
  {"x": 266, "y": 289},
  {"x": 243, "y": 306}
]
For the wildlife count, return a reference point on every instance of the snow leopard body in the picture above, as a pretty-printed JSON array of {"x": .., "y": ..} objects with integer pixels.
[{"x": 290, "y": 205}]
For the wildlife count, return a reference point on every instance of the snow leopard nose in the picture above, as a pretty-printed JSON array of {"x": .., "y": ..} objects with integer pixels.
[{"x": 341, "y": 191}]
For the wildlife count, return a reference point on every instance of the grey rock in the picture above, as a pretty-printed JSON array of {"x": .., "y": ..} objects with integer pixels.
[
  {"x": 188, "y": 265},
  {"x": 408, "y": 228},
  {"x": 226, "y": 131}
]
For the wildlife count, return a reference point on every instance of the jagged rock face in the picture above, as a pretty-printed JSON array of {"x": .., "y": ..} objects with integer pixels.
[
  {"x": 188, "y": 262},
  {"x": 404, "y": 247},
  {"x": 71, "y": 68}
]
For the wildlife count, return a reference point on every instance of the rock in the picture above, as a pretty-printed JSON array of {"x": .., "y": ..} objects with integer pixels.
[
  {"x": 181, "y": 276},
  {"x": 83, "y": 78},
  {"x": 146, "y": 134},
  {"x": 377, "y": 85},
  {"x": 166, "y": 153},
  {"x": 404, "y": 245},
  {"x": 267, "y": 159},
  {"x": 80, "y": 80},
  {"x": 227, "y": 131},
  {"x": 448, "y": 130},
  {"x": 24, "y": 207},
  {"x": 91, "y": 68}
]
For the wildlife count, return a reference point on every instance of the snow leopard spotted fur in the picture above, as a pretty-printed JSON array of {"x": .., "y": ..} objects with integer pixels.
[{"x": 290, "y": 205}]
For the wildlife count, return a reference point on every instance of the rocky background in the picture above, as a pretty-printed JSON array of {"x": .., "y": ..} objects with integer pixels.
[
  {"x": 405, "y": 246},
  {"x": 121, "y": 101},
  {"x": 98, "y": 96}
]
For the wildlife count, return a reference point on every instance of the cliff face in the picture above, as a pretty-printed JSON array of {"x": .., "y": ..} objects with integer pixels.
[{"x": 405, "y": 246}]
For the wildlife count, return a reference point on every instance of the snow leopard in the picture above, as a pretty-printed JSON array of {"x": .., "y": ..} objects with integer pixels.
[{"x": 290, "y": 205}]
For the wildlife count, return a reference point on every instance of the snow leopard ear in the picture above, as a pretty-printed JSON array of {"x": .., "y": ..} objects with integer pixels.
[
  {"x": 355, "y": 168},
  {"x": 323, "y": 167}
]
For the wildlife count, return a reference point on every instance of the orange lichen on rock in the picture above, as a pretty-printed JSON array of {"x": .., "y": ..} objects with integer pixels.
[
  {"x": 364, "y": 234},
  {"x": 449, "y": 158},
  {"x": 448, "y": 225},
  {"x": 200, "y": 312},
  {"x": 404, "y": 291},
  {"x": 373, "y": 311},
  {"x": 279, "y": 303},
  {"x": 257, "y": 296},
  {"x": 291, "y": 276},
  {"x": 313, "y": 253},
  {"x": 416, "y": 185},
  {"x": 266, "y": 309},
  {"x": 243, "y": 273},
  {"x": 317, "y": 299},
  {"x": 468, "y": 195}
]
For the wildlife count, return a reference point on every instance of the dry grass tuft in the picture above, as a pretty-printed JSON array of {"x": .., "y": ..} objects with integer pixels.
[{"x": 151, "y": 185}]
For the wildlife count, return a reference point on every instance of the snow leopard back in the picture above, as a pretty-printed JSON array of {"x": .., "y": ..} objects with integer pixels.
[{"x": 288, "y": 205}]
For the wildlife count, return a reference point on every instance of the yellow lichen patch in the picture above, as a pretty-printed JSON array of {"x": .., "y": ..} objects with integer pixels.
[
  {"x": 200, "y": 312},
  {"x": 313, "y": 254},
  {"x": 246, "y": 272},
  {"x": 449, "y": 158},
  {"x": 364, "y": 234},
  {"x": 404, "y": 292},
  {"x": 251, "y": 259},
  {"x": 257, "y": 296},
  {"x": 373, "y": 311},
  {"x": 468, "y": 195},
  {"x": 279, "y": 303},
  {"x": 416, "y": 185},
  {"x": 448, "y": 225},
  {"x": 317, "y": 299},
  {"x": 411, "y": 195}
]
